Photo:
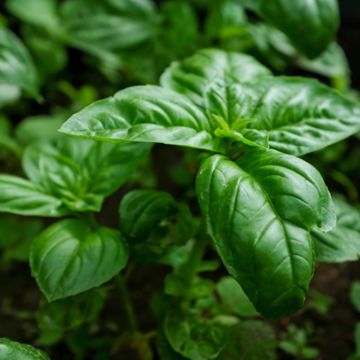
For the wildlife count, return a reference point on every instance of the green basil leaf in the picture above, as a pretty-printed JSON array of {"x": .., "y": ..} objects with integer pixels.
[
  {"x": 20, "y": 196},
  {"x": 234, "y": 298},
  {"x": 71, "y": 257},
  {"x": 17, "y": 71},
  {"x": 81, "y": 172},
  {"x": 145, "y": 114},
  {"x": 259, "y": 213},
  {"x": 320, "y": 18},
  {"x": 297, "y": 116},
  {"x": 250, "y": 340},
  {"x": 193, "y": 75},
  {"x": 12, "y": 350},
  {"x": 343, "y": 243},
  {"x": 141, "y": 211},
  {"x": 194, "y": 337}
]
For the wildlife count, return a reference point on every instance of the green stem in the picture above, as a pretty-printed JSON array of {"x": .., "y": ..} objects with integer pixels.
[
  {"x": 127, "y": 303},
  {"x": 192, "y": 264}
]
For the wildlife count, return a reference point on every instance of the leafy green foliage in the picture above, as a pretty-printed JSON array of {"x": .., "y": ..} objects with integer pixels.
[
  {"x": 145, "y": 114},
  {"x": 20, "y": 196},
  {"x": 67, "y": 176},
  {"x": 17, "y": 71},
  {"x": 298, "y": 116},
  {"x": 58, "y": 317},
  {"x": 193, "y": 75},
  {"x": 272, "y": 216},
  {"x": 11, "y": 350},
  {"x": 320, "y": 18},
  {"x": 267, "y": 213},
  {"x": 73, "y": 256},
  {"x": 141, "y": 211},
  {"x": 193, "y": 337},
  {"x": 295, "y": 343},
  {"x": 292, "y": 115},
  {"x": 343, "y": 243}
]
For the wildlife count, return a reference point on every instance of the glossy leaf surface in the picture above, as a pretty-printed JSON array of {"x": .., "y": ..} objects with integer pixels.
[
  {"x": 145, "y": 114},
  {"x": 259, "y": 213},
  {"x": 20, "y": 196},
  {"x": 297, "y": 116},
  {"x": 17, "y": 71},
  {"x": 69, "y": 175},
  {"x": 193, "y": 75},
  {"x": 71, "y": 257},
  {"x": 12, "y": 350}
]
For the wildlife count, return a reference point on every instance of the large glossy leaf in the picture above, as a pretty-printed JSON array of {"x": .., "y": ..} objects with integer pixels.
[
  {"x": 20, "y": 196},
  {"x": 145, "y": 114},
  {"x": 193, "y": 75},
  {"x": 141, "y": 211},
  {"x": 81, "y": 172},
  {"x": 343, "y": 243},
  {"x": 259, "y": 213},
  {"x": 17, "y": 71},
  {"x": 73, "y": 256},
  {"x": 296, "y": 116},
  {"x": 311, "y": 25},
  {"x": 12, "y": 350}
]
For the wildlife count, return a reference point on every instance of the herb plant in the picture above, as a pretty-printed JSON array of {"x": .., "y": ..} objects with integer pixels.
[{"x": 256, "y": 207}]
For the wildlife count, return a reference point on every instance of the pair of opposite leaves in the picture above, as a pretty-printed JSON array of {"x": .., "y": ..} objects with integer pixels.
[{"x": 261, "y": 209}]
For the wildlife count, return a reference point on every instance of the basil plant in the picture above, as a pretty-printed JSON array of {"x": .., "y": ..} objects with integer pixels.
[{"x": 262, "y": 205}]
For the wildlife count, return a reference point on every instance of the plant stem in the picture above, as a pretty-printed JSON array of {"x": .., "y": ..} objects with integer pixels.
[
  {"x": 127, "y": 303},
  {"x": 192, "y": 264}
]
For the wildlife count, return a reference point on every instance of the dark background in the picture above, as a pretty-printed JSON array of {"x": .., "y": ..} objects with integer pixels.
[{"x": 349, "y": 36}]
